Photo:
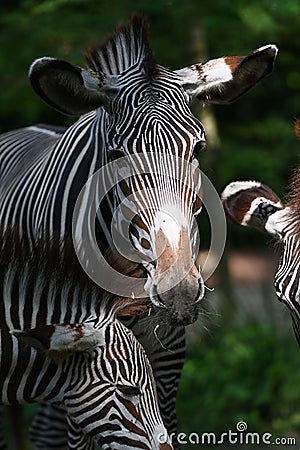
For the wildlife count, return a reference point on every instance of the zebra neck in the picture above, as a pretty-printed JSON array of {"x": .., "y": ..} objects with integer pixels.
[
  {"x": 54, "y": 284},
  {"x": 58, "y": 291},
  {"x": 73, "y": 160}
]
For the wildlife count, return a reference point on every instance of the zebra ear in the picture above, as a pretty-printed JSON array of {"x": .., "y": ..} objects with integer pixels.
[
  {"x": 253, "y": 204},
  {"x": 225, "y": 79},
  {"x": 61, "y": 339},
  {"x": 69, "y": 89}
]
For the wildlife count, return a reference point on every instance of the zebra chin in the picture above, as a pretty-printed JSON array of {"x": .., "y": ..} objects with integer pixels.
[{"x": 180, "y": 304}]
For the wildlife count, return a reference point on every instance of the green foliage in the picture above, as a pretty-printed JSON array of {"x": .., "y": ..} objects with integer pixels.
[
  {"x": 250, "y": 374},
  {"x": 267, "y": 152},
  {"x": 256, "y": 132}
]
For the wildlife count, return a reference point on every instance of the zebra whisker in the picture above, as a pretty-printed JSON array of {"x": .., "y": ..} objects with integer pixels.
[
  {"x": 162, "y": 345},
  {"x": 209, "y": 289}
]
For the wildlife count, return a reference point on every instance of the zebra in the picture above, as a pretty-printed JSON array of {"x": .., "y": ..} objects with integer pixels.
[
  {"x": 253, "y": 204},
  {"x": 48, "y": 428},
  {"x": 62, "y": 343},
  {"x": 130, "y": 106},
  {"x": 134, "y": 108}
]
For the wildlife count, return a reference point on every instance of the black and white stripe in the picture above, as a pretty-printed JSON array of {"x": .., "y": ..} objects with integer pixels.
[
  {"x": 287, "y": 281},
  {"x": 61, "y": 343},
  {"x": 129, "y": 106}
]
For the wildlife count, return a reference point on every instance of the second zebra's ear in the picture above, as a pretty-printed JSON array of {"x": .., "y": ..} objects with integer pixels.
[
  {"x": 67, "y": 88},
  {"x": 59, "y": 341},
  {"x": 253, "y": 204},
  {"x": 223, "y": 80}
]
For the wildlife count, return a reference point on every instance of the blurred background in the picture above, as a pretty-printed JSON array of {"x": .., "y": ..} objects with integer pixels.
[{"x": 242, "y": 359}]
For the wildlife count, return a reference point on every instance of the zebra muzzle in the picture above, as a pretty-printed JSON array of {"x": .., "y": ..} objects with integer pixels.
[{"x": 180, "y": 302}]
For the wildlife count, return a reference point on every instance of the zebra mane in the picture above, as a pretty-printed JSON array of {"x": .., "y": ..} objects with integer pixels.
[
  {"x": 46, "y": 259},
  {"x": 294, "y": 188},
  {"x": 128, "y": 46},
  {"x": 41, "y": 258},
  {"x": 294, "y": 199}
]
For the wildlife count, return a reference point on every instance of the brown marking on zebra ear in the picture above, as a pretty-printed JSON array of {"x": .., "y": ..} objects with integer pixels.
[
  {"x": 223, "y": 80},
  {"x": 38, "y": 337},
  {"x": 237, "y": 205},
  {"x": 236, "y": 202},
  {"x": 60, "y": 341},
  {"x": 246, "y": 71},
  {"x": 240, "y": 200},
  {"x": 233, "y": 62}
]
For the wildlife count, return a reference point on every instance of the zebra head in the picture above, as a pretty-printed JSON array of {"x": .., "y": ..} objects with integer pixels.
[
  {"x": 253, "y": 204},
  {"x": 145, "y": 116},
  {"x": 106, "y": 382}
]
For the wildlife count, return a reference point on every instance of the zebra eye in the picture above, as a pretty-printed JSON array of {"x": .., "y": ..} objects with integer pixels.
[
  {"x": 129, "y": 390},
  {"x": 199, "y": 147},
  {"x": 116, "y": 153}
]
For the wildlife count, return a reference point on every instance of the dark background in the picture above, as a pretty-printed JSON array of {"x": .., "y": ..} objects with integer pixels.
[{"x": 243, "y": 361}]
